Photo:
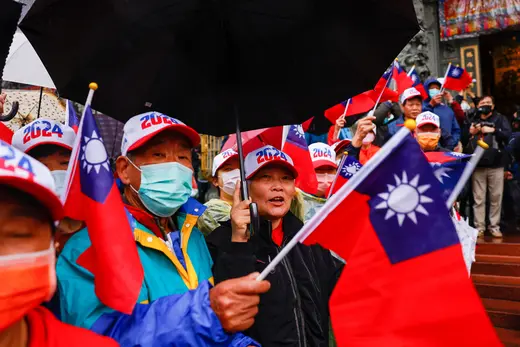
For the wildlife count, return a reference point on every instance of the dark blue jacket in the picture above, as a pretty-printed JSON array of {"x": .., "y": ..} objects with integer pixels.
[{"x": 450, "y": 128}]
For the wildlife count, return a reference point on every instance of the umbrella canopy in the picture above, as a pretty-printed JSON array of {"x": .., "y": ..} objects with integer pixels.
[
  {"x": 271, "y": 62},
  {"x": 23, "y": 64}
]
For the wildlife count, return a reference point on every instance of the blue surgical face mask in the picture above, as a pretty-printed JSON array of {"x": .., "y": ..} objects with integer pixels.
[
  {"x": 60, "y": 177},
  {"x": 433, "y": 92},
  {"x": 164, "y": 187}
]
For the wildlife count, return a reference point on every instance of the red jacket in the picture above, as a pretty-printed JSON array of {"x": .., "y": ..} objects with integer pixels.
[{"x": 46, "y": 331}]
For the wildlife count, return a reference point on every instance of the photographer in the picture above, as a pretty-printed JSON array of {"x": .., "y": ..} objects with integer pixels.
[{"x": 494, "y": 129}]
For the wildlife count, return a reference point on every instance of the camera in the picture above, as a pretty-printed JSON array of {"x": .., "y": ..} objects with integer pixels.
[{"x": 486, "y": 124}]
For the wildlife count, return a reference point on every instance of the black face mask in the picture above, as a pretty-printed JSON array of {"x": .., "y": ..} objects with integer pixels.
[{"x": 485, "y": 110}]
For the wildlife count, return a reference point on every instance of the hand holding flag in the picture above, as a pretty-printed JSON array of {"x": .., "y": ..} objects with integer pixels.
[
  {"x": 92, "y": 196},
  {"x": 405, "y": 282}
]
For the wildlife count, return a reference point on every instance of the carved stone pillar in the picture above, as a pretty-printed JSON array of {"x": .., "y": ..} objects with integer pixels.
[{"x": 423, "y": 50}]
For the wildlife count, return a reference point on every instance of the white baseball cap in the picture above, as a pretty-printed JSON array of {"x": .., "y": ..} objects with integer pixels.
[
  {"x": 338, "y": 146},
  {"x": 409, "y": 94},
  {"x": 43, "y": 132},
  {"x": 267, "y": 155},
  {"x": 21, "y": 171},
  {"x": 222, "y": 158},
  {"x": 141, "y": 128},
  {"x": 427, "y": 117},
  {"x": 322, "y": 155}
]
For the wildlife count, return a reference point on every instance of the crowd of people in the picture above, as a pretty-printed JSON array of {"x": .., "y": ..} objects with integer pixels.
[{"x": 200, "y": 261}]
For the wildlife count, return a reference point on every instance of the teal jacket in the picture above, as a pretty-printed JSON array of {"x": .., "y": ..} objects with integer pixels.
[{"x": 167, "y": 276}]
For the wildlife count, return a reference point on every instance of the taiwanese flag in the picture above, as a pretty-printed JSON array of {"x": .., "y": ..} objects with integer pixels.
[
  {"x": 405, "y": 282},
  {"x": 6, "y": 134},
  {"x": 382, "y": 92},
  {"x": 72, "y": 118},
  {"x": 92, "y": 196},
  {"x": 417, "y": 84},
  {"x": 401, "y": 78},
  {"x": 349, "y": 167},
  {"x": 296, "y": 147},
  {"x": 358, "y": 104},
  {"x": 447, "y": 168},
  {"x": 457, "y": 78}
]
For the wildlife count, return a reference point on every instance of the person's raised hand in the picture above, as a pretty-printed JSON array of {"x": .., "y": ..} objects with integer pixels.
[
  {"x": 436, "y": 100},
  {"x": 364, "y": 126},
  {"x": 449, "y": 98},
  {"x": 235, "y": 301},
  {"x": 340, "y": 122},
  {"x": 2, "y": 102},
  {"x": 240, "y": 217},
  {"x": 474, "y": 129}
]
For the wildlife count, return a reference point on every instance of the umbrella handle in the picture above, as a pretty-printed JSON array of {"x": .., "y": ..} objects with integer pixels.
[
  {"x": 255, "y": 218},
  {"x": 11, "y": 114}
]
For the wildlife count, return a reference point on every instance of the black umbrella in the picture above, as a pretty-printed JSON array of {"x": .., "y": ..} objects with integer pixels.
[
  {"x": 9, "y": 14},
  {"x": 212, "y": 63}
]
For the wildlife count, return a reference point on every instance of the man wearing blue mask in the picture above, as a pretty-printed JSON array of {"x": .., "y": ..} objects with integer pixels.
[
  {"x": 156, "y": 173},
  {"x": 50, "y": 143},
  {"x": 449, "y": 126}
]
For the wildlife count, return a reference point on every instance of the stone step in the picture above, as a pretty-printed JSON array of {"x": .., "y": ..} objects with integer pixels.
[
  {"x": 508, "y": 337},
  {"x": 511, "y": 249},
  {"x": 502, "y": 305},
  {"x": 506, "y": 320},
  {"x": 493, "y": 279},
  {"x": 497, "y": 291},
  {"x": 491, "y": 258},
  {"x": 496, "y": 269}
]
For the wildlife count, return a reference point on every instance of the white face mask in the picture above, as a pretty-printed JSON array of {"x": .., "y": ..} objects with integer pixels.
[
  {"x": 60, "y": 176},
  {"x": 369, "y": 138},
  {"x": 324, "y": 182},
  {"x": 230, "y": 179}
]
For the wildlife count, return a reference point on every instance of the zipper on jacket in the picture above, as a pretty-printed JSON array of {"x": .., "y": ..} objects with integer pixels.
[{"x": 298, "y": 314}]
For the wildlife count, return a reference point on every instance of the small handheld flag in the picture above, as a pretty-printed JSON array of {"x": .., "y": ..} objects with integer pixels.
[
  {"x": 447, "y": 168},
  {"x": 457, "y": 78},
  {"x": 296, "y": 147},
  {"x": 92, "y": 196},
  {"x": 72, "y": 118}
]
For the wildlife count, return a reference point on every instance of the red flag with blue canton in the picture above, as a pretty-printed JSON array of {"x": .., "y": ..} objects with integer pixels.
[
  {"x": 383, "y": 89},
  {"x": 349, "y": 167},
  {"x": 457, "y": 78},
  {"x": 417, "y": 84},
  {"x": 358, "y": 104},
  {"x": 296, "y": 147},
  {"x": 72, "y": 118},
  {"x": 405, "y": 282},
  {"x": 447, "y": 168},
  {"x": 93, "y": 197},
  {"x": 401, "y": 78}
]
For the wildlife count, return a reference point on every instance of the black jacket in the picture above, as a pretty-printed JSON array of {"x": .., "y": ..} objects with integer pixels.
[
  {"x": 295, "y": 310},
  {"x": 496, "y": 156}
]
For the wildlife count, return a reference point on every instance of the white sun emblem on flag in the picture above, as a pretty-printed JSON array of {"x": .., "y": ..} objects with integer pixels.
[
  {"x": 456, "y": 72},
  {"x": 298, "y": 131},
  {"x": 351, "y": 169},
  {"x": 440, "y": 171},
  {"x": 94, "y": 153},
  {"x": 405, "y": 199},
  {"x": 457, "y": 154}
]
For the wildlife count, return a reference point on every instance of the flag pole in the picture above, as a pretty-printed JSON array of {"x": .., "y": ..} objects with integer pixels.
[
  {"x": 342, "y": 162},
  {"x": 342, "y": 193},
  {"x": 382, "y": 91},
  {"x": 346, "y": 108},
  {"x": 466, "y": 174},
  {"x": 75, "y": 148},
  {"x": 411, "y": 71},
  {"x": 445, "y": 75}
]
